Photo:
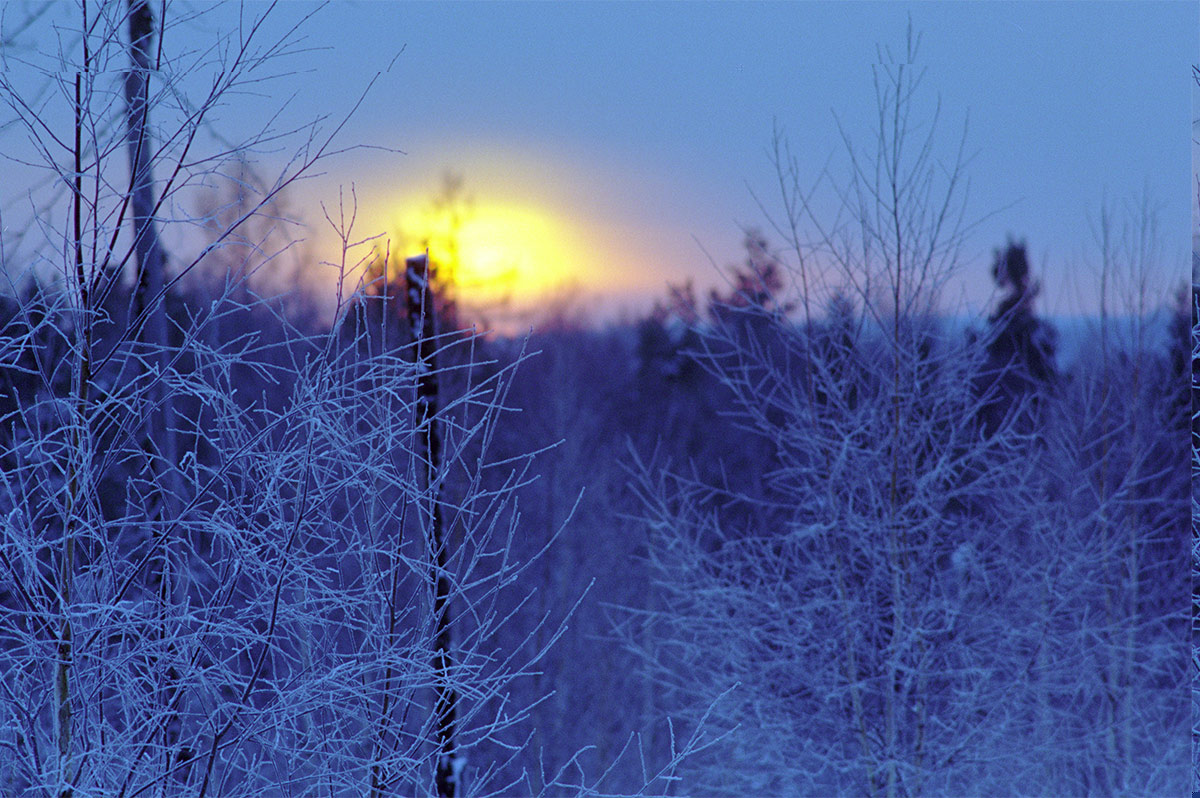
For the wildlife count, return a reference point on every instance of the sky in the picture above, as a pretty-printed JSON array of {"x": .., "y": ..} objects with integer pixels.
[{"x": 629, "y": 143}]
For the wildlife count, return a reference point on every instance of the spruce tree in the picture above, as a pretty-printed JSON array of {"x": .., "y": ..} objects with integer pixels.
[{"x": 1020, "y": 347}]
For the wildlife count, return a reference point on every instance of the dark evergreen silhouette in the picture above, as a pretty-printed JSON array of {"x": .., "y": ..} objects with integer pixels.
[
  {"x": 1020, "y": 347},
  {"x": 756, "y": 291}
]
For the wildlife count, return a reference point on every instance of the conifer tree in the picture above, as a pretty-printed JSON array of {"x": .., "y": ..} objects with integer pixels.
[{"x": 1020, "y": 346}]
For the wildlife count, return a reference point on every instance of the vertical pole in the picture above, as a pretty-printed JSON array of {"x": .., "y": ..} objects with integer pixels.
[{"x": 422, "y": 317}]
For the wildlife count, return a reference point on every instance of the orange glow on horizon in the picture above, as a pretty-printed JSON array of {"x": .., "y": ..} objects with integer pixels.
[
  {"x": 495, "y": 253},
  {"x": 521, "y": 237}
]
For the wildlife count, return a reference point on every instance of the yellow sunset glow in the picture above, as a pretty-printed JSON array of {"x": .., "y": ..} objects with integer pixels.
[{"x": 495, "y": 252}]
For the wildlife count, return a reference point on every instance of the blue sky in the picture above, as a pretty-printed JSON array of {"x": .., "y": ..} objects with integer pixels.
[
  {"x": 654, "y": 120},
  {"x": 647, "y": 125}
]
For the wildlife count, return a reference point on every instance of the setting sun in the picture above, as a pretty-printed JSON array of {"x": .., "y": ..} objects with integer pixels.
[{"x": 494, "y": 253}]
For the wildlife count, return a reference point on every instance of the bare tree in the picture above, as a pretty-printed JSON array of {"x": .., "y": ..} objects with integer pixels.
[
  {"x": 900, "y": 613},
  {"x": 260, "y": 607},
  {"x": 248, "y": 611}
]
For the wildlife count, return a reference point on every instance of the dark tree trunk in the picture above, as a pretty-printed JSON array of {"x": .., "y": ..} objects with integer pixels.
[
  {"x": 150, "y": 320},
  {"x": 147, "y": 246},
  {"x": 423, "y": 321}
]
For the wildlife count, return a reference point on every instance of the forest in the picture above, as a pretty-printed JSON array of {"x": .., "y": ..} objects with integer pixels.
[{"x": 806, "y": 533}]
